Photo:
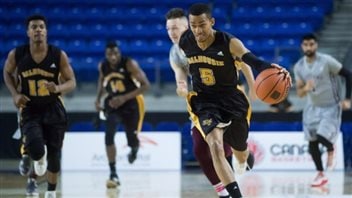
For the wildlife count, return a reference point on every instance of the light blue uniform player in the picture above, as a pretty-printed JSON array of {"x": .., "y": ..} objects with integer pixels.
[
  {"x": 318, "y": 76},
  {"x": 178, "y": 57},
  {"x": 322, "y": 113}
]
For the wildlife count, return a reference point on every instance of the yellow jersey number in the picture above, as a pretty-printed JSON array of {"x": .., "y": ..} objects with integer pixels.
[
  {"x": 37, "y": 88},
  {"x": 117, "y": 86},
  {"x": 207, "y": 76}
]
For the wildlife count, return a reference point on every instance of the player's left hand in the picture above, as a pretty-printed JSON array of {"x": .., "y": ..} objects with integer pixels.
[
  {"x": 346, "y": 104},
  {"x": 52, "y": 87},
  {"x": 283, "y": 70},
  {"x": 117, "y": 101}
]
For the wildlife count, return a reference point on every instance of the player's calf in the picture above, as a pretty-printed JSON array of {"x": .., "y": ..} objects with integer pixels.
[{"x": 331, "y": 161}]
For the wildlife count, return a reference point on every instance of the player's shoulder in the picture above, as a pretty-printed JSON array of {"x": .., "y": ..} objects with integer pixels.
[
  {"x": 174, "y": 49},
  {"x": 54, "y": 48},
  {"x": 20, "y": 51},
  {"x": 185, "y": 37},
  {"x": 324, "y": 56},
  {"x": 224, "y": 34},
  {"x": 186, "y": 34},
  {"x": 299, "y": 63},
  {"x": 21, "y": 47},
  {"x": 127, "y": 59}
]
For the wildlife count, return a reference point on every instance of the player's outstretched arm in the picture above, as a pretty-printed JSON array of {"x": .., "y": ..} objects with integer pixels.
[
  {"x": 237, "y": 49},
  {"x": 248, "y": 74}
]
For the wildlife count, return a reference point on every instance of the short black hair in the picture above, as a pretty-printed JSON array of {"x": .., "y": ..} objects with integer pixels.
[
  {"x": 36, "y": 17},
  {"x": 200, "y": 8},
  {"x": 309, "y": 36},
  {"x": 111, "y": 44},
  {"x": 175, "y": 13}
]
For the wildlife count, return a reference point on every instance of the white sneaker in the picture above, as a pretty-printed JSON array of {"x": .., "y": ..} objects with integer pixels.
[
  {"x": 41, "y": 165},
  {"x": 50, "y": 194},
  {"x": 320, "y": 180}
]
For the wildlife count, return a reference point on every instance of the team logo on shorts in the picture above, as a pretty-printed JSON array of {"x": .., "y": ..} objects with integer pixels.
[{"x": 207, "y": 122}]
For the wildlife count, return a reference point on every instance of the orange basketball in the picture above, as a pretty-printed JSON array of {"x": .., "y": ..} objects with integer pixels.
[{"x": 271, "y": 86}]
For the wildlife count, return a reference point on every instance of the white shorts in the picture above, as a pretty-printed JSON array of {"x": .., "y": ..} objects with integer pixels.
[{"x": 325, "y": 121}]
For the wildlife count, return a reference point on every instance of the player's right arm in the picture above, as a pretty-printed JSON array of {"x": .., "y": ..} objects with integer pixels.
[
  {"x": 181, "y": 79},
  {"x": 248, "y": 74},
  {"x": 237, "y": 49},
  {"x": 303, "y": 88},
  {"x": 100, "y": 89},
  {"x": 9, "y": 72}
]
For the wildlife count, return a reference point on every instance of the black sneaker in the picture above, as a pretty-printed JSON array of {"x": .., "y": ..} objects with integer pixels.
[
  {"x": 32, "y": 187},
  {"x": 250, "y": 161},
  {"x": 132, "y": 156},
  {"x": 113, "y": 181},
  {"x": 25, "y": 165}
]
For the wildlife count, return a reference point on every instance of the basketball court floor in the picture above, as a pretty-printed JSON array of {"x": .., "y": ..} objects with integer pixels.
[{"x": 185, "y": 184}]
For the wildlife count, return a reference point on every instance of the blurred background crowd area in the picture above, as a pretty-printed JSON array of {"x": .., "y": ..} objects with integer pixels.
[{"x": 272, "y": 29}]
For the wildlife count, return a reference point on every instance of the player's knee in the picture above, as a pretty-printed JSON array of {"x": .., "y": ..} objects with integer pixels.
[
  {"x": 313, "y": 147},
  {"x": 329, "y": 146},
  {"x": 216, "y": 148},
  {"x": 36, "y": 149},
  {"x": 109, "y": 138},
  {"x": 132, "y": 139},
  {"x": 240, "y": 146},
  {"x": 54, "y": 159}
]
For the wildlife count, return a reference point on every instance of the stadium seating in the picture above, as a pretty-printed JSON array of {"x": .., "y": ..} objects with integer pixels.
[{"x": 81, "y": 29}]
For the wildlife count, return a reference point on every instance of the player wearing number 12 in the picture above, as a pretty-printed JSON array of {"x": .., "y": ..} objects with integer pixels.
[
  {"x": 124, "y": 81},
  {"x": 32, "y": 75}
]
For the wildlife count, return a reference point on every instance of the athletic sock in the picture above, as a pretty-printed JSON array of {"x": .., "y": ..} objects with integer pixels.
[
  {"x": 220, "y": 189},
  {"x": 112, "y": 166},
  {"x": 51, "y": 187}
]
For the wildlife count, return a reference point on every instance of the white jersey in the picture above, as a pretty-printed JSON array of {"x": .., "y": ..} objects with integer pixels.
[
  {"x": 176, "y": 56},
  {"x": 324, "y": 73}
]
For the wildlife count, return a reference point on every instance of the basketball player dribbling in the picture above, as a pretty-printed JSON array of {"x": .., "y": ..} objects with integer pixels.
[
  {"x": 176, "y": 24},
  {"x": 218, "y": 109},
  {"x": 316, "y": 76}
]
